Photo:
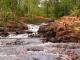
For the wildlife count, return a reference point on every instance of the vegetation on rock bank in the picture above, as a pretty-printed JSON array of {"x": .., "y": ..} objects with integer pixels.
[{"x": 67, "y": 29}]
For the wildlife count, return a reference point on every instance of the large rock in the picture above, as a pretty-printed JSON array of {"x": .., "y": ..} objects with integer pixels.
[
  {"x": 67, "y": 29},
  {"x": 15, "y": 26}
]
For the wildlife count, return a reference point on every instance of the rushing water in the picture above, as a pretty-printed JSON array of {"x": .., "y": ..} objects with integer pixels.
[{"x": 31, "y": 48}]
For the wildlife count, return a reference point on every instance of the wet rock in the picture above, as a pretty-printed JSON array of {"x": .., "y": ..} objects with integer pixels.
[
  {"x": 4, "y": 34},
  {"x": 64, "y": 30},
  {"x": 20, "y": 32},
  {"x": 34, "y": 35},
  {"x": 29, "y": 32},
  {"x": 18, "y": 42},
  {"x": 1, "y": 29}
]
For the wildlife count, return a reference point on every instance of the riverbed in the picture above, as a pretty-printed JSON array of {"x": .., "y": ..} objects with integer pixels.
[{"x": 23, "y": 47}]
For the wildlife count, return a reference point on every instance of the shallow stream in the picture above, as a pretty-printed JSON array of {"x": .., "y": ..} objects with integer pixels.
[{"x": 31, "y": 48}]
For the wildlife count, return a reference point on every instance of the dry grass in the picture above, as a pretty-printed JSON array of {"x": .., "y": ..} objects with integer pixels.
[{"x": 67, "y": 29}]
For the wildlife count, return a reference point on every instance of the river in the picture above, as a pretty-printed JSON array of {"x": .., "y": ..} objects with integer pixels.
[{"x": 32, "y": 48}]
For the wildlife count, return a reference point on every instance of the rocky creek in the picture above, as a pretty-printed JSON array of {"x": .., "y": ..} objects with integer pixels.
[{"x": 29, "y": 46}]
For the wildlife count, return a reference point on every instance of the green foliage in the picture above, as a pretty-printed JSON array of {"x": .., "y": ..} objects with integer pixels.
[
  {"x": 59, "y": 8},
  {"x": 75, "y": 11},
  {"x": 8, "y": 5},
  {"x": 50, "y": 8}
]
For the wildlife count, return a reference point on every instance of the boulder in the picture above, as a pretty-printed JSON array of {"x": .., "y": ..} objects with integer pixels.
[{"x": 67, "y": 29}]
